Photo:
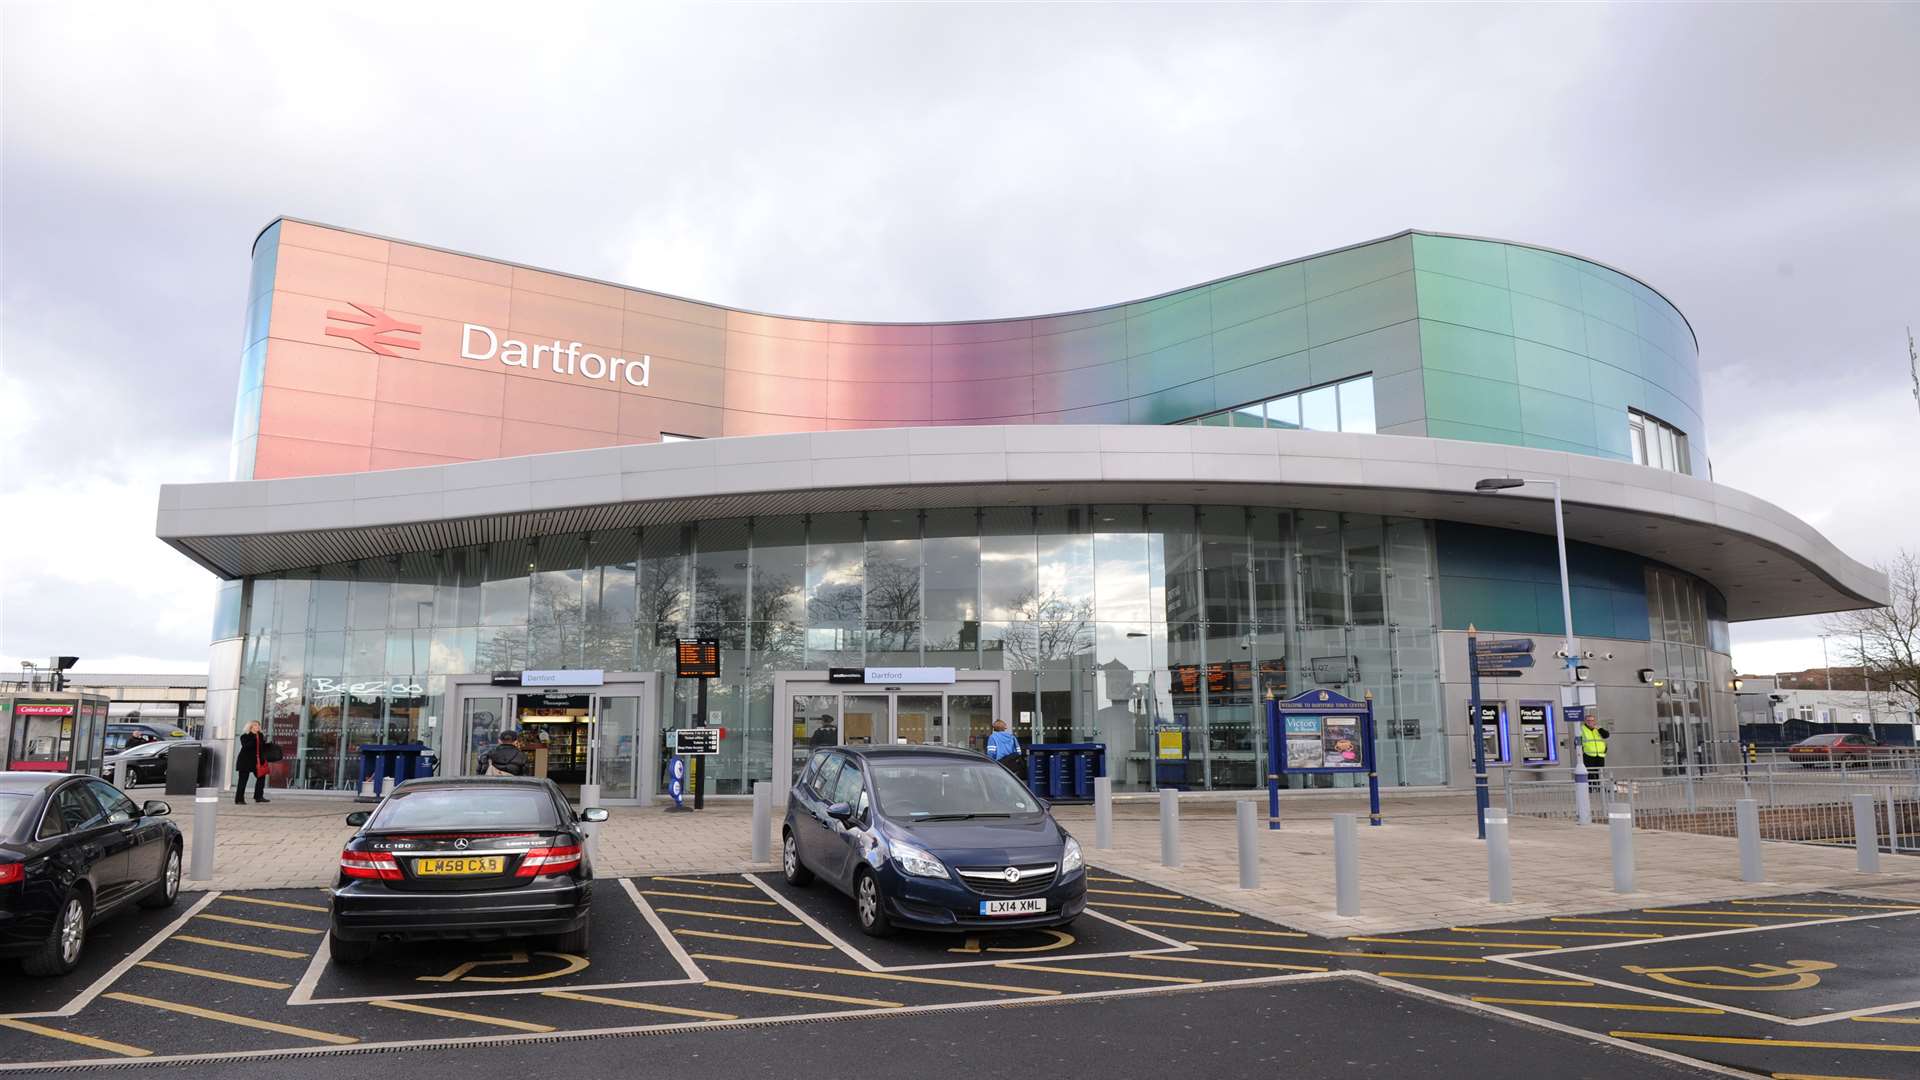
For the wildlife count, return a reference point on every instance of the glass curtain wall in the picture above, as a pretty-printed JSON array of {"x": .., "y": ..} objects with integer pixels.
[
  {"x": 1684, "y": 623},
  {"x": 1159, "y": 630}
]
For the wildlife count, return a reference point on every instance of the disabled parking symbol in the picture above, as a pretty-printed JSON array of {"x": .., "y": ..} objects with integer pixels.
[
  {"x": 569, "y": 964},
  {"x": 1797, "y": 975}
]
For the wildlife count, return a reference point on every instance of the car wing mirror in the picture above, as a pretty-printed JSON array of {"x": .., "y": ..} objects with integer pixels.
[
  {"x": 156, "y": 808},
  {"x": 840, "y": 811},
  {"x": 593, "y": 813},
  {"x": 358, "y": 818}
]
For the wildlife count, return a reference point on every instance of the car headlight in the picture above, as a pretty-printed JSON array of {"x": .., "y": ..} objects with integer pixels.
[
  {"x": 1070, "y": 859},
  {"x": 917, "y": 861}
]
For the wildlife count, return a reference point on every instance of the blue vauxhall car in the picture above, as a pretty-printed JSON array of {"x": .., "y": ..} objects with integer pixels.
[{"x": 930, "y": 838}]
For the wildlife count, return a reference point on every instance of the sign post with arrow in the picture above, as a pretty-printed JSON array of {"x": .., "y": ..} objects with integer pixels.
[{"x": 1507, "y": 659}]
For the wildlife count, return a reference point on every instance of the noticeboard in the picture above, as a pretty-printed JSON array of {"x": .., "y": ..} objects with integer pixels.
[
  {"x": 1324, "y": 732},
  {"x": 697, "y": 658}
]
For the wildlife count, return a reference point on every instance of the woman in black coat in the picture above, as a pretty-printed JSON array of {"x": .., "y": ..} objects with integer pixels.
[{"x": 251, "y": 762}]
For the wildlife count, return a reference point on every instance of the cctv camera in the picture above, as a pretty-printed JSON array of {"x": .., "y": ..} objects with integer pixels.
[{"x": 1606, "y": 656}]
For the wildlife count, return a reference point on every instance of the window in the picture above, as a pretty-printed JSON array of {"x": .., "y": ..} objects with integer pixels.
[
  {"x": 1656, "y": 443},
  {"x": 71, "y": 811},
  {"x": 668, "y": 436},
  {"x": 1341, "y": 406},
  {"x": 849, "y": 789},
  {"x": 826, "y": 776},
  {"x": 119, "y": 808}
]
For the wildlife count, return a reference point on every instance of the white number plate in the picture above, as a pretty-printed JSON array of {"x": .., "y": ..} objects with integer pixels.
[{"x": 1035, "y": 906}]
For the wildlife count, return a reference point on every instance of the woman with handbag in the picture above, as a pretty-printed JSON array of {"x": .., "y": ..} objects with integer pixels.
[{"x": 251, "y": 761}]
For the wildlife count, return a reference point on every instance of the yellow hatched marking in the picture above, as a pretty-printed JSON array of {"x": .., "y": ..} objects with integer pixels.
[
  {"x": 1828, "y": 903},
  {"x": 1458, "y": 944},
  {"x": 1175, "y": 910},
  {"x": 264, "y": 984},
  {"x": 727, "y": 915},
  {"x": 108, "y": 1045},
  {"x": 698, "y": 881},
  {"x": 1481, "y": 979},
  {"x": 272, "y": 903},
  {"x": 1115, "y": 880},
  {"x": 1885, "y": 1019},
  {"x": 1226, "y": 963},
  {"x": 1217, "y": 929},
  {"x": 1147, "y": 895},
  {"x": 1656, "y": 922},
  {"x": 1019, "y": 965},
  {"x": 807, "y": 994},
  {"x": 1739, "y": 914},
  {"x": 755, "y": 940},
  {"x": 1616, "y": 1005},
  {"x": 455, "y": 1014},
  {"x": 230, "y": 1018},
  {"x": 671, "y": 1010},
  {"x": 1341, "y": 952},
  {"x": 708, "y": 899},
  {"x": 921, "y": 979},
  {"x": 1736, "y": 1040},
  {"x": 258, "y": 924},
  {"x": 236, "y": 946},
  {"x": 1549, "y": 933}
]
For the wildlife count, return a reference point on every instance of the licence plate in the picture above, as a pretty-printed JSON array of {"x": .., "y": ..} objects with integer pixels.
[
  {"x": 472, "y": 864},
  {"x": 1035, "y": 906}
]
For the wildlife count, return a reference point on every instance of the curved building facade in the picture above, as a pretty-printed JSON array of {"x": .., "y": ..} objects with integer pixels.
[{"x": 1127, "y": 525}]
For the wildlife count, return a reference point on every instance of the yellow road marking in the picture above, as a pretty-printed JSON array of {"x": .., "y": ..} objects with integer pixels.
[
  {"x": 671, "y": 1010},
  {"x": 1657, "y": 922},
  {"x": 1028, "y": 965},
  {"x": 1175, "y": 910},
  {"x": 455, "y": 1014},
  {"x": 272, "y": 903},
  {"x": 726, "y": 915},
  {"x": 1148, "y": 895},
  {"x": 1480, "y": 978},
  {"x": 1549, "y": 933},
  {"x": 260, "y": 925},
  {"x": 1619, "y": 1005},
  {"x": 698, "y": 881},
  {"x": 757, "y": 940},
  {"x": 1226, "y": 963},
  {"x": 1115, "y": 880},
  {"x": 264, "y": 984},
  {"x": 1885, "y": 1019},
  {"x": 1737, "y": 914},
  {"x": 1216, "y": 929},
  {"x": 1457, "y": 944},
  {"x": 108, "y": 1045},
  {"x": 1816, "y": 1076},
  {"x": 230, "y": 1018},
  {"x": 1736, "y": 1040},
  {"x": 808, "y": 994},
  {"x": 263, "y": 950},
  {"x": 921, "y": 979},
  {"x": 709, "y": 899},
  {"x": 1825, "y": 903},
  {"x": 1341, "y": 952}
]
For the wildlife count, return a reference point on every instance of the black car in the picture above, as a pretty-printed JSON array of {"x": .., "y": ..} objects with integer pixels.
[
  {"x": 932, "y": 838},
  {"x": 475, "y": 857},
  {"x": 124, "y": 735},
  {"x": 146, "y": 762},
  {"x": 74, "y": 849}
]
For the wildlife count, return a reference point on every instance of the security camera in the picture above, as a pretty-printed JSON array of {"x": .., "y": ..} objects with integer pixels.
[
  {"x": 1590, "y": 654},
  {"x": 1606, "y": 656},
  {"x": 1561, "y": 653}
]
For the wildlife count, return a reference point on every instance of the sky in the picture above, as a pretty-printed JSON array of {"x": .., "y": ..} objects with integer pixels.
[{"x": 1757, "y": 164}]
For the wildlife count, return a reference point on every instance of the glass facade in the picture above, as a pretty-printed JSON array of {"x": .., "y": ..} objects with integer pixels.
[
  {"x": 1686, "y": 621},
  {"x": 1117, "y": 622},
  {"x": 1341, "y": 406}
]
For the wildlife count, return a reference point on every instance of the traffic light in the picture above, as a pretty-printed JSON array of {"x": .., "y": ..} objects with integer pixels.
[{"x": 60, "y": 664}]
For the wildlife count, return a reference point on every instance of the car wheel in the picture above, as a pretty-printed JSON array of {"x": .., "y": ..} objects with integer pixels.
[
  {"x": 573, "y": 941},
  {"x": 349, "y": 952},
  {"x": 164, "y": 891},
  {"x": 790, "y": 865},
  {"x": 60, "y": 953},
  {"x": 869, "y": 907}
]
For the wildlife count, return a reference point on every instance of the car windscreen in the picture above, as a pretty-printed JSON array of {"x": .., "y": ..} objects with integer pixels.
[
  {"x": 919, "y": 790},
  {"x": 466, "y": 808},
  {"x": 1822, "y": 740},
  {"x": 13, "y": 804}
]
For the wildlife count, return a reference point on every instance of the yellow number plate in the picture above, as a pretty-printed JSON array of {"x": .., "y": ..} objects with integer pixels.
[{"x": 483, "y": 864}]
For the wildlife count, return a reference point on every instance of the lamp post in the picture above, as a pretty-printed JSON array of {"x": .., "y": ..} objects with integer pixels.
[{"x": 1583, "y": 810}]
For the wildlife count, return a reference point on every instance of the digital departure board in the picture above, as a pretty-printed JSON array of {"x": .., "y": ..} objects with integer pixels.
[{"x": 698, "y": 658}]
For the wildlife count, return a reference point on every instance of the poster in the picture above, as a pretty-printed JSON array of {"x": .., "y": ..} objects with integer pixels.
[
  {"x": 1342, "y": 743},
  {"x": 1172, "y": 745}
]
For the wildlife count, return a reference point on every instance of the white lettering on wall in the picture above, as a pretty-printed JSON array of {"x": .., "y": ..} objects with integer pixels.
[{"x": 562, "y": 359}]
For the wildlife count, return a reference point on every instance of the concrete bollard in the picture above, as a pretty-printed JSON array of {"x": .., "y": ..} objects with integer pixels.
[
  {"x": 1169, "y": 828},
  {"x": 1499, "y": 859},
  {"x": 762, "y": 815},
  {"x": 1346, "y": 865},
  {"x": 1866, "y": 834},
  {"x": 120, "y": 775},
  {"x": 206, "y": 809},
  {"x": 1103, "y": 812},
  {"x": 1249, "y": 837},
  {"x": 1746, "y": 814},
  {"x": 1620, "y": 822}
]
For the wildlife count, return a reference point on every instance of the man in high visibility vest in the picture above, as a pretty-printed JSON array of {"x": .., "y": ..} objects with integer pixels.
[{"x": 1593, "y": 749}]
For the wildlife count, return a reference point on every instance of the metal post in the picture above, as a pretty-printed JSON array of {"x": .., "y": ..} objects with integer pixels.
[
  {"x": 1273, "y": 764},
  {"x": 206, "y": 808},
  {"x": 1582, "y": 805},
  {"x": 1499, "y": 860},
  {"x": 1866, "y": 834},
  {"x": 1688, "y": 784},
  {"x": 1746, "y": 814},
  {"x": 1170, "y": 827},
  {"x": 1479, "y": 737},
  {"x": 1249, "y": 837},
  {"x": 1346, "y": 865},
  {"x": 1893, "y": 822},
  {"x": 590, "y": 796},
  {"x": 1620, "y": 821},
  {"x": 1103, "y": 812},
  {"x": 762, "y": 812},
  {"x": 699, "y": 769}
]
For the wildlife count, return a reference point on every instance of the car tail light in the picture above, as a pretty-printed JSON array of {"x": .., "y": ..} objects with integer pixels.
[
  {"x": 11, "y": 872},
  {"x": 548, "y": 860},
  {"x": 369, "y": 864}
]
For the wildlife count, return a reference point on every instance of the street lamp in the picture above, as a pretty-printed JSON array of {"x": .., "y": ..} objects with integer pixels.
[{"x": 1491, "y": 485}]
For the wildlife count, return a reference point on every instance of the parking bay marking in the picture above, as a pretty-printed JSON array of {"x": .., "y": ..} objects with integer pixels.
[
  {"x": 1223, "y": 929},
  {"x": 700, "y": 881},
  {"x": 1145, "y": 895},
  {"x": 1340, "y": 952},
  {"x": 1653, "y": 922},
  {"x": 807, "y": 994},
  {"x": 454, "y": 1014},
  {"x": 1262, "y": 964},
  {"x": 1453, "y": 944},
  {"x": 1553, "y": 933},
  {"x": 230, "y": 1018},
  {"x": 709, "y": 899},
  {"x": 1827, "y": 903},
  {"x": 239, "y": 899},
  {"x": 569, "y": 964},
  {"x": 1737, "y": 1040},
  {"x": 1622, "y": 1006},
  {"x": 1029, "y": 965},
  {"x": 671, "y": 1010},
  {"x": 108, "y": 1045},
  {"x": 287, "y": 954},
  {"x": 755, "y": 940},
  {"x": 86, "y": 997},
  {"x": 1482, "y": 979},
  {"x": 921, "y": 979},
  {"x": 243, "y": 980},
  {"x": 1174, "y": 910},
  {"x": 729, "y": 916},
  {"x": 259, "y": 924}
]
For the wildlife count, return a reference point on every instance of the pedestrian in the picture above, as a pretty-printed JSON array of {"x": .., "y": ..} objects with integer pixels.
[
  {"x": 1004, "y": 747},
  {"x": 505, "y": 759},
  {"x": 251, "y": 762},
  {"x": 1593, "y": 750}
]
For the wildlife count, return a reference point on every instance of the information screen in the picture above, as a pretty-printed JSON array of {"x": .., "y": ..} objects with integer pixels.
[{"x": 698, "y": 658}]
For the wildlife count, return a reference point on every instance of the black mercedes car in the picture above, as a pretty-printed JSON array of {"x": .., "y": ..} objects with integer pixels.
[
  {"x": 74, "y": 849},
  {"x": 475, "y": 857}
]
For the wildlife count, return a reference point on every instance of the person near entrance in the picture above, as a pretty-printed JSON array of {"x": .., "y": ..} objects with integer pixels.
[
  {"x": 1004, "y": 747},
  {"x": 251, "y": 763},
  {"x": 1593, "y": 749},
  {"x": 506, "y": 758}
]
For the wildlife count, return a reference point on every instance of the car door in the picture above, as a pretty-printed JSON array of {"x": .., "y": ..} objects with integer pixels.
[
  {"x": 142, "y": 838},
  {"x": 88, "y": 845},
  {"x": 848, "y": 838},
  {"x": 813, "y": 832}
]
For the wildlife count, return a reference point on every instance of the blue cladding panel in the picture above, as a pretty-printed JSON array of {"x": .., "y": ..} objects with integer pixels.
[{"x": 1507, "y": 581}]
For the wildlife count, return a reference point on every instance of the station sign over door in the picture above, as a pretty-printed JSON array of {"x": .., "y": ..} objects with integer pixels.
[
  {"x": 577, "y": 677},
  {"x": 909, "y": 675}
]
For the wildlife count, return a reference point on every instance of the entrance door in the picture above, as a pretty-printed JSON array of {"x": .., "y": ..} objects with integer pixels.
[
  {"x": 483, "y": 719},
  {"x": 959, "y": 714},
  {"x": 575, "y": 736}
]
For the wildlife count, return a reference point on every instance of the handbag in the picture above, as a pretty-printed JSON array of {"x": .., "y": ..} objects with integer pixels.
[{"x": 272, "y": 753}]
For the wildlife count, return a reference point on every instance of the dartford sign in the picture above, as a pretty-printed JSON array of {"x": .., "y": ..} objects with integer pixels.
[{"x": 480, "y": 343}]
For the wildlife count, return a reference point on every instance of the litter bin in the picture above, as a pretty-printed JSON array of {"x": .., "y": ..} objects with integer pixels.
[
  {"x": 188, "y": 768},
  {"x": 396, "y": 762},
  {"x": 1064, "y": 772}
]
